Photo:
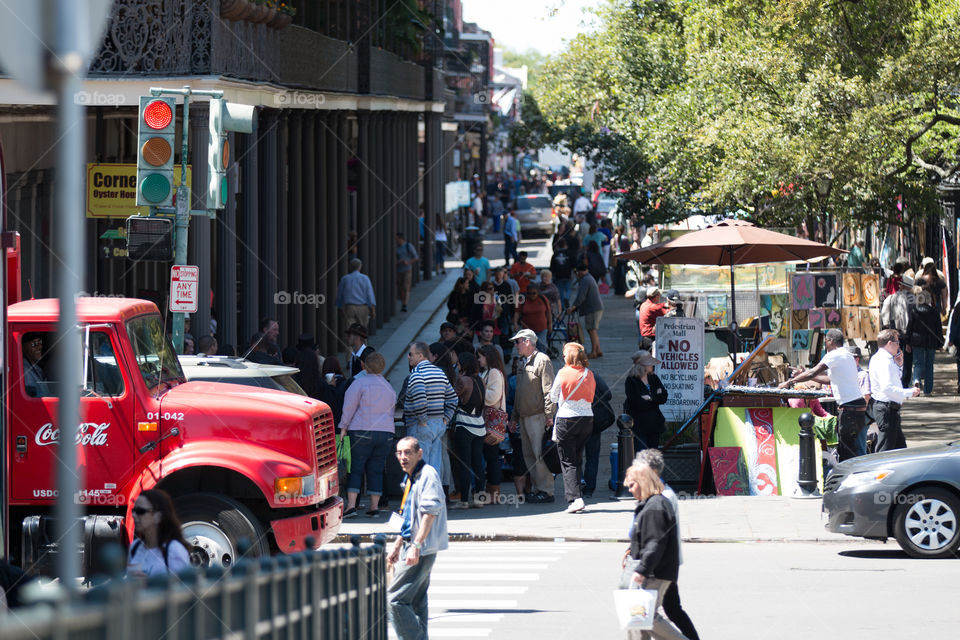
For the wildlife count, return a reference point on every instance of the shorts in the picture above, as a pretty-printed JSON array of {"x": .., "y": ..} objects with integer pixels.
[
  {"x": 591, "y": 321},
  {"x": 404, "y": 278}
]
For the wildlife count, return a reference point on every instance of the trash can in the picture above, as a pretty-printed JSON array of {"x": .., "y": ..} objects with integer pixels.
[{"x": 472, "y": 236}]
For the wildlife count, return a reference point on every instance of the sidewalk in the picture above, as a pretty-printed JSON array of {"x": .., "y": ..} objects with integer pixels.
[{"x": 707, "y": 519}]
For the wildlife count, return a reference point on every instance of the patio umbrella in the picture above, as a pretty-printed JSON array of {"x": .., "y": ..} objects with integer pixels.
[{"x": 731, "y": 242}]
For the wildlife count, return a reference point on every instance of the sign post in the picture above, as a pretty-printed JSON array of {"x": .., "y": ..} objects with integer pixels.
[
  {"x": 184, "y": 288},
  {"x": 680, "y": 351}
]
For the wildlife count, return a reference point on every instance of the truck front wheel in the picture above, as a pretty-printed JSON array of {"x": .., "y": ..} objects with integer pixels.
[{"x": 220, "y": 529}]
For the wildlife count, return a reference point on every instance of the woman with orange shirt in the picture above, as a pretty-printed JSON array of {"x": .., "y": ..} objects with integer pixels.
[{"x": 572, "y": 392}]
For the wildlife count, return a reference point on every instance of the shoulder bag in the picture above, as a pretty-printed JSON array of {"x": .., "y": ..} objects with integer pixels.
[{"x": 495, "y": 419}]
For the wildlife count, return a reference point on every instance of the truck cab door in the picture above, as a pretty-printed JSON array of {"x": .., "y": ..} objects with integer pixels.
[{"x": 105, "y": 431}]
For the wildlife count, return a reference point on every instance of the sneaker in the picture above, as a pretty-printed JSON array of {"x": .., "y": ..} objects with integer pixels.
[
  {"x": 540, "y": 497},
  {"x": 586, "y": 494},
  {"x": 460, "y": 505},
  {"x": 575, "y": 506},
  {"x": 350, "y": 513},
  {"x": 404, "y": 309}
]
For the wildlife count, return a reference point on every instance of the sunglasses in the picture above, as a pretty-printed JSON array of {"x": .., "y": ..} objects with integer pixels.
[{"x": 142, "y": 511}]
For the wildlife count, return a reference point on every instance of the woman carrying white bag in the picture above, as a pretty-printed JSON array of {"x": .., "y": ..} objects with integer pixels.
[{"x": 653, "y": 561}]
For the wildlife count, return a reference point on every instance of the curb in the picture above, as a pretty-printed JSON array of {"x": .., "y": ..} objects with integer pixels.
[{"x": 506, "y": 537}]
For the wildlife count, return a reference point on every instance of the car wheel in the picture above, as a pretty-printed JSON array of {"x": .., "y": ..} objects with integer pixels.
[
  {"x": 219, "y": 528},
  {"x": 926, "y": 523}
]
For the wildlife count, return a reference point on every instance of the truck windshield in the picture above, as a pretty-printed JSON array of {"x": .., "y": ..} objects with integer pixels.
[{"x": 155, "y": 356}]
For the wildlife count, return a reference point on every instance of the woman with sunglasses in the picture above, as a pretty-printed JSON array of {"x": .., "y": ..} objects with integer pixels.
[{"x": 158, "y": 546}]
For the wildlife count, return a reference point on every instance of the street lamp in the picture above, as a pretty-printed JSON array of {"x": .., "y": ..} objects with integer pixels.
[{"x": 823, "y": 185}]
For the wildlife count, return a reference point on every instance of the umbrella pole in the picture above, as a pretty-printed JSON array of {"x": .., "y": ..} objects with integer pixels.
[{"x": 733, "y": 311}]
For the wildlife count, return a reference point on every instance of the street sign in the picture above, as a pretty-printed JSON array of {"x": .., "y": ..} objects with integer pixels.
[{"x": 184, "y": 287}]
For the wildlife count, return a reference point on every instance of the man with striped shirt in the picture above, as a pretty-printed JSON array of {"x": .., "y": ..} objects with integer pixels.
[{"x": 428, "y": 405}]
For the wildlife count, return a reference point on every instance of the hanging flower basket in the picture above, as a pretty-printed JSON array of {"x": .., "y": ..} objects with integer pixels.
[
  {"x": 235, "y": 9},
  {"x": 280, "y": 21},
  {"x": 261, "y": 14}
]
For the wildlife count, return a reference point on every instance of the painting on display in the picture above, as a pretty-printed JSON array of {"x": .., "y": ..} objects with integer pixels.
[
  {"x": 826, "y": 290},
  {"x": 800, "y": 340},
  {"x": 776, "y": 307},
  {"x": 818, "y": 319},
  {"x": 851, "y": 322},
  {"x": 851, "y": 290},
  {"x": 832, "y": 318},
  {"x": 717, "y": 310},
  {"x": 801, "y": 291},
  {"x": 869, "y": 323},
  {"x": 798, "y": 319},
  {"x": 729, "y": 471},
  {"x": 870, "y": 289}
]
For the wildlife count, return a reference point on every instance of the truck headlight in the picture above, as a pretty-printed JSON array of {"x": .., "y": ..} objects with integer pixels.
[
  {"x": 861, "y": 478},
  {"x": 294, "y": 487}
]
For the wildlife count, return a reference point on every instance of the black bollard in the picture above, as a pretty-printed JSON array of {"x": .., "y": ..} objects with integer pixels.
[
  {"x": 807, "y": 475},
  {"x": 625, "y": 450}
]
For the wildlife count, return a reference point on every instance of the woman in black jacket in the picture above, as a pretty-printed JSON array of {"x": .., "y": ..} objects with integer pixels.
[
  {"x": 653, "y": 559},
  {"x": 645, "y": 393},
  {"x": 923, "y": 337}
]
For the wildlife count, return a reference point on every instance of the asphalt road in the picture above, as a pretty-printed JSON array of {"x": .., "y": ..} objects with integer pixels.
[{"x": 786, "y": 591}]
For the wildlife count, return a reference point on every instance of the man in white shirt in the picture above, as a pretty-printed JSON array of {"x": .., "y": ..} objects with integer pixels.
[
  {"x": 887, "y": 391},
  {"x": 842, "y": 369}
]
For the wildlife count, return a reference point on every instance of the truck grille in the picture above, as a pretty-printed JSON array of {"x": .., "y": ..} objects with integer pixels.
[{"x": 324, "y": 438}]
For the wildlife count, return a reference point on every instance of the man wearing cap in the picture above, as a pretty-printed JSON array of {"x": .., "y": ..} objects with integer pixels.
[
  {"x": 673, "y": 299},
  {"x": 355, "y": 297},
  {"x": 533, "y": 411},
  {"x": 842, "y": 377},
  {"x": 357, "y": 341},
  {"x": 650, "y": 310},
  {"x": 590, "y": 307}
]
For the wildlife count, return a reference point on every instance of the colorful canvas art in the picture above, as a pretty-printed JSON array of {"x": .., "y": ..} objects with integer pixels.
[
  {"x": 729, "y": 471},
  {"x": 766, "y": 474},
  {"x": 798, "y": 319},
  {"x": 869, "y": 323},
  {"x": 801, "y": 291},
  {"x": 851, "y": 290},
  {"x": 731, "y": 431},
  {"x": 776, "y": 307},
  {"x": 832, "y": 318},
  {"x": 870, "y": 289},
  {"x": 717, "y": 310},
  {"x": 851, "y": 323},
  {"x": 800, "y": 340},
  {"x": 826, "y": 290},
  {"x": 818, "y": 319}
]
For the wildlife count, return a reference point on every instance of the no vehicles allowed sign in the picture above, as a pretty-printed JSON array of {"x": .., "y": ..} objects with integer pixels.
[{"x": 184, "y": 287}]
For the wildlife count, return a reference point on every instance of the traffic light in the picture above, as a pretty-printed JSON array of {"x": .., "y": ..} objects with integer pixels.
[
  {"x": 224, "y": 117},
  {"x": 149, "y": 239},
  {"x": 156, "y": 142}
]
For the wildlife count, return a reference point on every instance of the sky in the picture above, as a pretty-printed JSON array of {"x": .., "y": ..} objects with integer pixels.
[{"x": 530, "y": 24}]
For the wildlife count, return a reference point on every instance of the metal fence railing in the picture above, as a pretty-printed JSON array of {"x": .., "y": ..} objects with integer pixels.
[{"x": 335, "y": 594}]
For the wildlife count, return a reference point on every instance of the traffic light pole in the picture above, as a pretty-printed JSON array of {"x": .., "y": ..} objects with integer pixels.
[{"x": 183, "y": 210}]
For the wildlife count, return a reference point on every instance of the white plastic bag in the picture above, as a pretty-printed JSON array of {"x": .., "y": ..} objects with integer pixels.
[{"x": 635, "y": 608}]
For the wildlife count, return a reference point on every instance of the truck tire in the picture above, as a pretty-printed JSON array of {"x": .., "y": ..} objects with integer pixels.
[
  {"x": 219, "y": 527},
  {"x": 926, "y": 522}
]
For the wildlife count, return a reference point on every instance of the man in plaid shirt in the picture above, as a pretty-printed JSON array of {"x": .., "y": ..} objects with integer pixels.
[{"x": 428, "y": 405}]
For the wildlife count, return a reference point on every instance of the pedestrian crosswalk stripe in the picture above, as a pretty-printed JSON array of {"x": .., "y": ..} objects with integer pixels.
[
  {"x": 473, "y": 604},
  {"x": 477, "y": 589},
  {"x": 441, "y": 632},
  {"x": 484, "y": 577},
  {"x": 467, "y": 566},
  {"x": 464, "y": 618}
]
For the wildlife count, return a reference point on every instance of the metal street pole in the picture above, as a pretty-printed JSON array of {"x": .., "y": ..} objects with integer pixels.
[{"x": 66, "y": 68}]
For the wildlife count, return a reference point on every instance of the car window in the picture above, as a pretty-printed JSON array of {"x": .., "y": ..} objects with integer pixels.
[
  {"x": 103, "y": 371},
  {"x": 523, "y": 204}
]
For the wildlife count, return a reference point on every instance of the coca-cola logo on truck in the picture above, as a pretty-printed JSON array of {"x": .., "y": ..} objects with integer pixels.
[{"x": 88, "y": 433}]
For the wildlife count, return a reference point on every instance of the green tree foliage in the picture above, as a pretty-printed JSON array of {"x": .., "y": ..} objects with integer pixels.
[{"x": 723, "y": 105}]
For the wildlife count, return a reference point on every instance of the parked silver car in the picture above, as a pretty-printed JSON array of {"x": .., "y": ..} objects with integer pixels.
[
  {"x": 912, "y": 495},
  {"x": 237, "y": 371},
  {"x": 535, "y": 213}
]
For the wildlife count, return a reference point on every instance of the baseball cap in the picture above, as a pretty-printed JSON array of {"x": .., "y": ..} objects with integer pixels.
[
  {"x": 524, "y": 333},
  {"x": 926, "y": 261},
  {"x": 673, "y": 295}
]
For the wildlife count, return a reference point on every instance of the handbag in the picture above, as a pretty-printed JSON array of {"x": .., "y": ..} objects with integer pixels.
[
  {"x": 343, "y": 452},
  {"x": 549, "y": 453},
  {"x": 496, "y": 421},
  {"x": 635, "y": 608}
]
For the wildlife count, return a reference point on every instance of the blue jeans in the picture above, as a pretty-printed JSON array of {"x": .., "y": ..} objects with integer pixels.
[
  {"x": 407, "y": 596},
  {"x": 591, "y": 463},
  {"x": 509, "y": 249},
  {"x": 563, "y": 285},
  {"x": 368, "y": 454},
  {"x": 923, "y": 367},
  {"x": 431, "y": 441},
  {"x": 441, "y": 248}
]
